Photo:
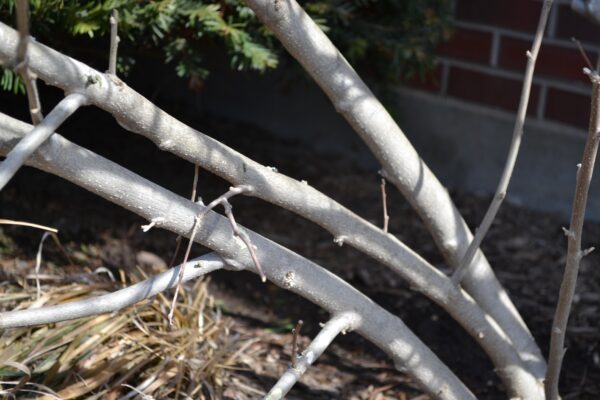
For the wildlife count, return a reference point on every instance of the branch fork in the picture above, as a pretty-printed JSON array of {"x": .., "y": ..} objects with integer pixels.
[{"x": 222, "y": 200}]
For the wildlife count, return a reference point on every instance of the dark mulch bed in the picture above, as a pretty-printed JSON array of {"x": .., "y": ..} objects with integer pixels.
[{"x": 526, "y": 249}]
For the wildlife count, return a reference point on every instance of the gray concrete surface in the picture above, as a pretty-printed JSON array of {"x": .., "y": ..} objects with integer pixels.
[{"x": 464, "y": 144}]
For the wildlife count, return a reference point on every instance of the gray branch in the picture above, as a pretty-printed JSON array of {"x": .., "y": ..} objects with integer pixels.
[
  {"x": 112, "y": 301},
  {"x": 17, "y": 156},
  {"x": 139, "y": 115},
  {"x": 336, "y": 325},
  {"x": 403, "y": 167},
  {"x": 281, "y": 266},
  {"x": 574, "y": 251}
]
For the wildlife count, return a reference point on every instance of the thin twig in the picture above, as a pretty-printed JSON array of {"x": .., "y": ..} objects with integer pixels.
[
  {"x": 17, "y": 156},
  {"x": 195, "y": 182},
  {"x": 114, "y": 42},
  {"x": 245, "y": 238},
  {"x": 62, "y": 249},
  {"x": 513, "y": 152},
  {"x": 336, "y": 325},
  {"x": 386, "y": 217},
  {"x": 38, "y": 263},
  {"x": 295, "y": 333},
  {"x": 29, "y": 224},
  {"x": 583, "y": 53},
  {"x": 574, "y": 251},
  {"x": 193, "y": 198},
  {"x": 230, "y": 193},
  {"x": 22, "y": 67}
]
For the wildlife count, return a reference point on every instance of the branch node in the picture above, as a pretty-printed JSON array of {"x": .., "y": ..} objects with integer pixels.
[
  {"x": 288, "y": 279},
  {"x": 586, "y": 252},
  {"x": 153, "y": 222},
  {"x": 339, "y": 240},
  {"x": 91, "y": 79},
  {"x": 556, "y": 330},
  {"x": 568, "y": 233},
  {"x": 273, "y": 169},
  {"x": 593, "y": 75},
  {"x": 384, "y": 174}
]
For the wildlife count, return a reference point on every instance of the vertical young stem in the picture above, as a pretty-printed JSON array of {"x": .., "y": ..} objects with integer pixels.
[
  {"x": 320, "y": 343},
  {"x": 295, "y": 333},
  {"x": 513, "y": 152},
  {"x": 35, "y": 108},
  {"x": 574, "y": 252},
  {"x": 114, "y": 43}
]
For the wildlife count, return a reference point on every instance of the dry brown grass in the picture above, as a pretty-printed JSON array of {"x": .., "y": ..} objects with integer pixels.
[{"x": 129, "y": 354}]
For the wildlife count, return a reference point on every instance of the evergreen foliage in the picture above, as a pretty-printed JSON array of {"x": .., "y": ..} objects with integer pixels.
[{"x": 389, "y": 39}]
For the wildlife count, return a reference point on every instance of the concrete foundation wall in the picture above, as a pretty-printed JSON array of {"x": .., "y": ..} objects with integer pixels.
[{"x": 464, "y": 144}]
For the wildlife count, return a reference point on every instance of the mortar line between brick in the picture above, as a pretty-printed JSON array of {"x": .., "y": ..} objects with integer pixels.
[
  {"x": 495, "y": 52},
  {"x": 541, "y": 106},
  {"x": 574, "y": 87},
  {"x": 565, "y": 43}
]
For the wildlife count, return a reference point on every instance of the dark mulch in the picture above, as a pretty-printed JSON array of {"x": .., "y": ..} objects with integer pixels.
[{"x": 526, "y": 249}]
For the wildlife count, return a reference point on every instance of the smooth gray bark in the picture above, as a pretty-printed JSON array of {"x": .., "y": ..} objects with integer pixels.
[
  {"x": 574, "y": 250},
  {"x": 509, "y": 365},
  {"x": 282, "y": 266},
  {"x": 112, "y": 301},
  {"x": 402, "y": 166},
  {"x": 15, "y": 159},
  {"x": 320, "y": 343},
  {"x": 139, "y": 115}
]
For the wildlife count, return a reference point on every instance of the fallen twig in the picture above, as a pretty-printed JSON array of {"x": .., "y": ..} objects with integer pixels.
[{"x": 29, "y": 224}]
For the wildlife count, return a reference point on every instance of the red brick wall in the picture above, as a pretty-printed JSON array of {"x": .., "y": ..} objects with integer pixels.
[{"x": 484, "y": 60}]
